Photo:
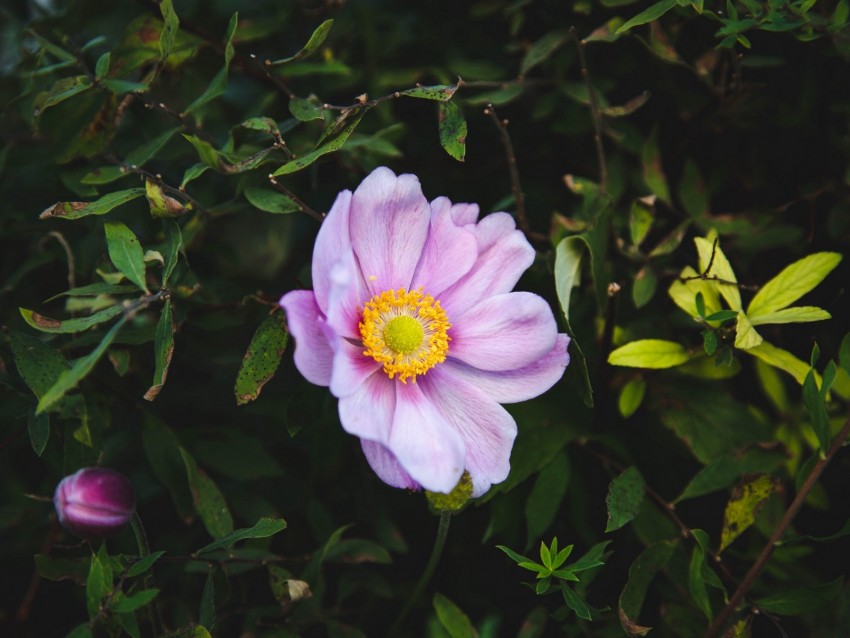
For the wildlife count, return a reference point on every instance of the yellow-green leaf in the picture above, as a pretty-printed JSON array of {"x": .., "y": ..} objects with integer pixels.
[
  {"x": 797, "y": 314},
  {"x": 683, "y": 293},
  {"x": 720, "y": 269},
  {"x": 782, "y": 359},
  {"x": 649, "y": 353},
  {"x": 746, "y": 336},
  {"x": 746, "y": 500},
  {"x": 792, "y": 283}
]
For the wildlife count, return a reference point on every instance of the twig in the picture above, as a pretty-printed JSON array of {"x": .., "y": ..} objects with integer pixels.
[
  {"x": 594, "y": 112},
  {"x": 68, "y": 254},
  {"x": 722, "y": 618},
  {"x": 320, "y": 217}
]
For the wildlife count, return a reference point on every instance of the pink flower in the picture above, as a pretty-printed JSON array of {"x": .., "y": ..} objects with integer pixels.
[
  {"x": 413, "y": 326},
  {"x": 94, "y": 502}
]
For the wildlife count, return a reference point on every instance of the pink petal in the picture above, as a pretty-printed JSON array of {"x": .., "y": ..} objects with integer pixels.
[
  {"x": 389, "y": 224},
  {"x": 503, "y": 255},
  {"x": 332, "y": 241},
  {"x": 486, "y": 428},
  {"x": 449, "y": 251},
  {"x": 368, "y": 411},
  {"x": 504, "y": 332},
  {"x": 464, "y": 214},
  {"x": 386, "y": 466},
  {"x": 350, "y": 368},
  {"x": 422, "y": 441},
  {"x": 348, "y": 295},
  {"x": 313, "y": 353},
  {"x": 522, "y": 384}
]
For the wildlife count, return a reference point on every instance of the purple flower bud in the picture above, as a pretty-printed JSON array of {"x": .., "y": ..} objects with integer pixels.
[{"x": 94, "y": 502}]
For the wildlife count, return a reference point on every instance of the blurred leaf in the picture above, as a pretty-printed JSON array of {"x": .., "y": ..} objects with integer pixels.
[
  {"x": 649, "y": 14},
  {"x": 206, "y": 613},
  {"x": 99, "y": 581},
  {"x": 627, "y": 108},
  {"x": 124, "y": 86},
  {"x": 693, "y": 192},
  {"x": 134, "y": 602},
  {"x": 80, "y": 631},
  {"x": 313, "y": 43},
  {"x": 815, "y": 401},
  {"x": 69, "y": 379},
  {"x": 534, "y": 624},
  {"x": 262, "y": 358},
  {"x": 219, "y": 82},
  {"x": 438, "y": 93},
  {"x": 38, "y": 427},
  {"x": 169, "y": 30},
  {"x": 497, "y": 98},
  {"x": 546, "y": 496},
  {"x": 38, "y": 364},
  {"x": 641, "y": 573},
  {"x": 653, "y": 170},
  {"x": 724, "y": 471},
  {"x": 452, "y": 618},
  {"x": 801, "y": 600},
  {"x": 208, "y": 499},
  {"x": 209, "y": 155},
  {"x": 270, "y": 201},
  {"x": 748, "y": 497},
  {"x": 125, "y": 251},
  {"x": 671, "y": 241},
  {"x": 333, "y": 139},
  {"x": 163, "y": 350},
  {"x": 782, "y": 359},
  {"x": 305, "y": 109},
  {"x": 263, "y": 528},
  {"x": 95, "y": 290},
  {"x": 696, "y": 582},
  {"x": 452, "y": 125},
  {"x": 792, "y": 283},
  {"x": 54, "y": 568},
  {"x": 649, "y": 353},
  {"x": 641, "y": 217},
  {"x": 144, "y": 564},
  {"x": 644, "y": 286},
  {"x": 173, "y": 246},
  {"x": 354, "y": 551},
  {"x": 542, "y": 49},
  {"x": 61, "y": 91},
  {"x": 48, "y": 324},
  {"x": 631, "y": 396},
  {"x": 75, "y": 210},
  {"x": 625, "y": 495},
  {"x": 162, "y": 449}
]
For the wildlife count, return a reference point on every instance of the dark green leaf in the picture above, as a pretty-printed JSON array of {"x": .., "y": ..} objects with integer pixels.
[
  {"x": 75, "y": 210},
  {"x": 591, "y": 558},
  {"x": 452, "y": 125},
  {"x": 264, "y": 528},
  {"x": 358, "y": 550},
  {"x": 641, "y": 573},
  {"x": 47, "y": 324},
  {"x": 696, "y": 582},
  {"x": 99, "y": 581},
  {"x": 816, "y": 407},
  {"x": 38, "y": 364},
  {"x": 270, "y": 201},
  {"x": 545, "y": 497},
  {"x": 125, "y": 251},
  {"x": 206, "y": 613},
  {"x": 124, "y": 86},
  {"x": 649, "y": 14},
  {"x": 55, "y": 568},
  {"x": 206, "y": 152},
  {"x": 305, "y": 109},
  {"x": 144, "y": 564},
  {"x": 575, "y": 602},
  {"x": 38, "y": 427},
  {"x": 801, "y": 600},
  {"x": 169, "y": 31},
  {"x": 724, "y": 471},
  {"x": 542, "y": 49},
  {"x": 219, "y": 82},
  {"x": 313, "y": 43},
  {"x": 61, "y": 91},
  {"x": 173, "y": 246},
  {"x": 452, "y": 618},
  {"x": 208, "y": 499},
  {"x": 625, "y": 495},
  {"x": 101, "y": 68},
  {"x": 134, "y": 602},
  {"x": 262, "y": 358},
  {"x": 645, "y": 284},
  {"x": 162, "y": 449},
  {"x": 163, "y": 350},
  {"x": 332, "y": 140},
  {"x": 438, "y": 93},
  {"x": 80, "y": 631}
]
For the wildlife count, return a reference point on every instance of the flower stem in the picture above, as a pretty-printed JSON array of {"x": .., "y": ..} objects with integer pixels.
[
  {"x": 154, "y": 613},
  {"x": 439, "y": 543}
]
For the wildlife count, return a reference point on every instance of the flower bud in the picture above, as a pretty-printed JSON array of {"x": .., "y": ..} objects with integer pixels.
[{"x": 95, "y": 502}]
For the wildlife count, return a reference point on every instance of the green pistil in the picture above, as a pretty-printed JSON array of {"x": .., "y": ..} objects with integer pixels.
[{"x": 403, "y": 334}]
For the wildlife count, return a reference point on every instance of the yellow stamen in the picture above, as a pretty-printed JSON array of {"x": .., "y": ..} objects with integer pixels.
[{"x": 405, "y": 331}]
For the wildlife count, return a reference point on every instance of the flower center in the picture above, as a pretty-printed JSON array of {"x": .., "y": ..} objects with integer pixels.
[{"x": 405, "y": 331}]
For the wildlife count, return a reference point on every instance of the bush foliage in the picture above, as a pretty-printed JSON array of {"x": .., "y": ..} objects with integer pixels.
[{"x": 683, "y": 170}]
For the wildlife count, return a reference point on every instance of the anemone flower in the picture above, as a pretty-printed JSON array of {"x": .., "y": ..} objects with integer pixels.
[{"x": 413, "y": 326}]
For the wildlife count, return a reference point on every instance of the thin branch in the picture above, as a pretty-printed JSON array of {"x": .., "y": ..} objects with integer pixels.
[
  {"x": 594, "y": 112},
  {"x": 69, "y": 255},
  {"x": 749, "y": 580},
  {"x": 320, "y": 217}
]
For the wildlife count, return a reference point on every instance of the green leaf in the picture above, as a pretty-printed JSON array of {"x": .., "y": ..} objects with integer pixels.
[
  {"x": 38, "y": 427},
  {"x": 631, "y": 396},
  {"x": 208, "y": 499},
  {"x": 75, "y": 210},
  {"x": 653, "y": 170},
  {"x": 649, "y": 353},
  {"x": 80, "y": 631},
  {"x": 38, "y": 364},
  {"x": 797, "y": 314},
  {"x": 333, "y": 139},
  {"x": 95, "y": 290},
  {"x": 61, "y": 91},
  {"x": 542, "y": 49},
  {"x": 173, "y": 246},
  {"x": 206, "y": 613},
  {"x": 641, "y": 217},
  {"x": 124, "y": 86},
  {"x": 162, "y": 449},
  {"x": 264, "y": 528},
  {"x": 219, "y": 82},
  {"x": 815, "y": 400},
  {"x": 641, "y": 573},
  {"x": 101, "y": 67},
  {"x": 134, "y": 602},
  {"x": 625, "y": 494},
  {"x": 144, "y": 564},
  {"x": 162, "y": 205},
  {"x": 313, "y": 43},
  {"x": 590, "y": 559},
  {"x": 270, "y": 201},
  {"x": 125, "y": 251},
  {"x": 782, "y": 359},
  {"x": 746, "y": 336},
  {"x": 696, "y": 582},
  {"x": 145, "y": 152},
  {"x": 499, "y": 97},
  {"x": 649, "y": 14},
  {"x": 99, "y": 581},
  {"x": 358, "y": 550},
  {"x": 455, "y": 622},
  {"x": 693, "y": 192},
  {"x": 305, "y": 109},
  {"x": 683, "y": 293},
  {"x": 568, "y": 256},
  {"x": 711, "y": 254},
  {"x": 209, "y": 155},
  {"x": 163, "y": 349},
  {"x": 748, "y": 497},
  {"x": 671, "y": 241},
  {"x": 517, "y": 558},
  {"x": 724, "y": 471},
  {"x": 48, "y": 324},
  {"x": 575, "y": 602},
  {"x": 801, "y": 600},
  {"x": 169, "y": 31},
  {"x": 644, "y": 286},
  {"x": 792, "y": 283},
  {"x": 262, "y": 358},
  {"x": 437, "y": 93},
  {"x": 69, "y": 379},
  {"x": 452, "y": 126},
  {"x": 546, "y": 496}
]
